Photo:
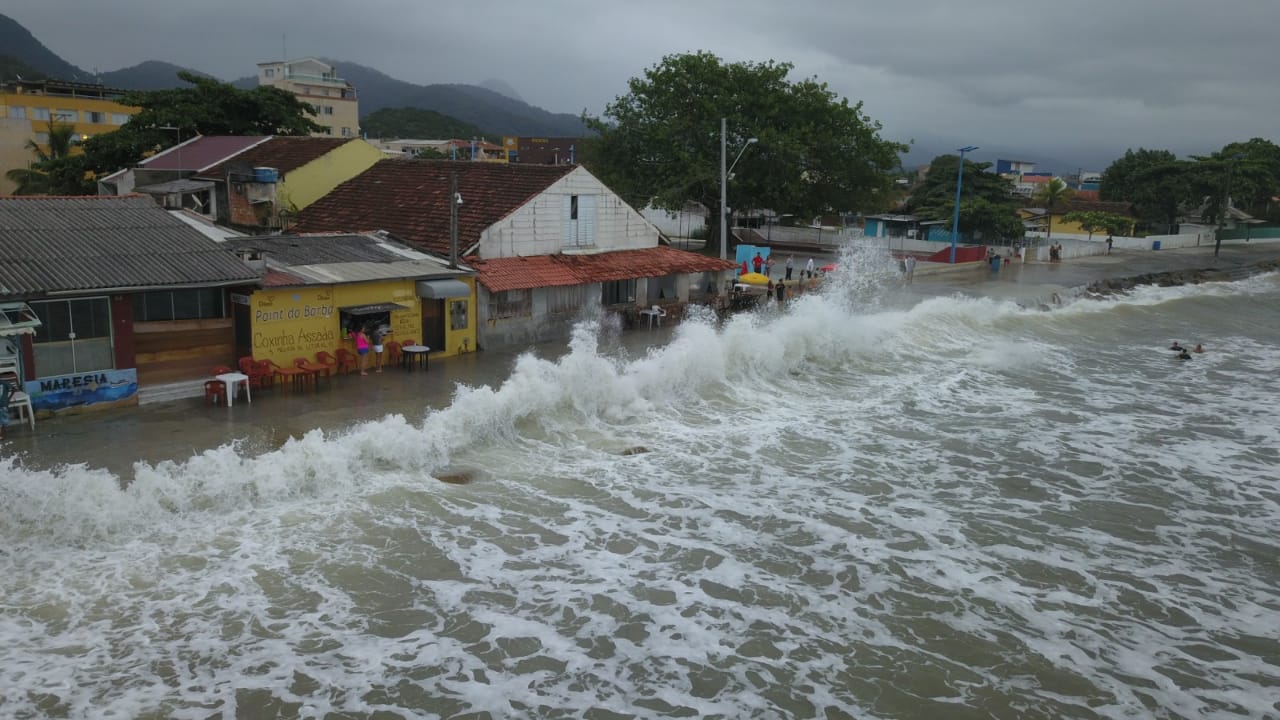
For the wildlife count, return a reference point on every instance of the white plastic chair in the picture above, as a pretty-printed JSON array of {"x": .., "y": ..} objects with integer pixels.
[
  {"x": 656, "y": 313},
  {"x": 19, "y": 400}
]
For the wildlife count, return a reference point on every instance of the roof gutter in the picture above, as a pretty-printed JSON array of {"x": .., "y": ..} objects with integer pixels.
[{"x": 151, "y": 288}]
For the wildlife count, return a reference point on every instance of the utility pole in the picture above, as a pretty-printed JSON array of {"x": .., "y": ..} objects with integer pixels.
[{"x": 453, "y": 220}]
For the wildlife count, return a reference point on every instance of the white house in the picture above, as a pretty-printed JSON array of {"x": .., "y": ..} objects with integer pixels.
[{"x": 551, "y": 244}]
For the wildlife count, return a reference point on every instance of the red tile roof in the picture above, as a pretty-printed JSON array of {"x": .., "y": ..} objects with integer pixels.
[
  {"x": 282, "y": 153},
  {"x": 410, "y": 199},
  {"x": 280, "y": 278},
  {"x": 201, "y": 152},
  {"x": 521, "y": 273}
]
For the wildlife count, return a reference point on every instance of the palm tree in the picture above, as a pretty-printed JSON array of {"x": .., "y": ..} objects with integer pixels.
[
  {"x": 40, "y": 177},
  {"x": 1054, "y": 194}
]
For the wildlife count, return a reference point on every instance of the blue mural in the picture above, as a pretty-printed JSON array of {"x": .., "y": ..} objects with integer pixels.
[{"x": 59, "y": 392}]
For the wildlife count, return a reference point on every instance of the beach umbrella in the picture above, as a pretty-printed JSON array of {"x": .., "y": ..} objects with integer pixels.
[
  {"x": 828, "y": 267},
  {"x": 754, "y": 278}
]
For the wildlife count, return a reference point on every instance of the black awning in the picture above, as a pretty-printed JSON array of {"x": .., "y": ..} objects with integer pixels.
[{"x": 373, "y": 309}]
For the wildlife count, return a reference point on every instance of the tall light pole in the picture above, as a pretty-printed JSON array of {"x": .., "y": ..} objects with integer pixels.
[
  {"x": 1226, "y": 204},
  {"x": 955, "y": 218},
  {"x": 724, "y": 182}
]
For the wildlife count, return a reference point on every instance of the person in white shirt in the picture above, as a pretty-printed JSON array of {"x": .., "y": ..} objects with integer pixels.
[
  {"x": 809, "y": 268},
  {"x": 911, "y": 268}
]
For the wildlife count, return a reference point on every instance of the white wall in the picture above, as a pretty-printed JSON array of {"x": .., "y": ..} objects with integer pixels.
[
  {"x": 536, "y": 228},
  {"x": 674, "y": 224}
]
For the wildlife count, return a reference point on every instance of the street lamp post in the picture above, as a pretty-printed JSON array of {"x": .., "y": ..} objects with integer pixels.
[
  {"x": 724, "y": 182},
  {"x": 955, "y": 218}
]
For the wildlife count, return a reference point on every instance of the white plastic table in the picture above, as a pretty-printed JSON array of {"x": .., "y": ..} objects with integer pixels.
[
  {"x": 413, "y": 352},
  {"x": 229, "y": 381},
  {"x": 654, "y": 313}
]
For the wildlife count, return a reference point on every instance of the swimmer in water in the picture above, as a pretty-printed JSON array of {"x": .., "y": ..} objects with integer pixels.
[
  {"x": 1184, "y": 355},
  {"x": 1199, "y": 348},
  {"x": 1176, "y": 347}
]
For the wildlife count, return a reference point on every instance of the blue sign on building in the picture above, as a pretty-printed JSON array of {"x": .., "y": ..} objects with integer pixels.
[{"x": 60, "y": 392}]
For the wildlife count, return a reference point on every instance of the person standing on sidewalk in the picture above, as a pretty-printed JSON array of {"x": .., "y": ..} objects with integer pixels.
[
  {"x": 376, "y": 336},
  {"x": 911, "y": 268},
  {"x": 1108, "y": 244},
  {"x": 790, "y": 260}
]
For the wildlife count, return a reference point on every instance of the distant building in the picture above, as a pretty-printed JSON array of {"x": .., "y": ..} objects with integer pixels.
[
  {"x": 1014, "y": 167},
  {"x": 317, "y": 84},
  {"x": 27, "y": 107},
  {"x": 452, "y": 149},
  {"x": 543, "y": 150}
]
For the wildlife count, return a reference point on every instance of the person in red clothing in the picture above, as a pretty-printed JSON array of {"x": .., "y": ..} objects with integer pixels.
[
  {"x": 744, "y": 268},
  {"x": 757, "y": 262}
]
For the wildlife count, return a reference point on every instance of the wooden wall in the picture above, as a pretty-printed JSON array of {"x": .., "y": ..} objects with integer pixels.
[{"x": 167, "y": 352}]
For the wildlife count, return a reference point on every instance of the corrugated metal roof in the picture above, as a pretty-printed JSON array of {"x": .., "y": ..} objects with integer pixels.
[
  {"x": 282, "y": 153},
  {"x": 342, "y": 258},
  {"x": 202, "y": 152},
  {"x": 68, "y": 244}
]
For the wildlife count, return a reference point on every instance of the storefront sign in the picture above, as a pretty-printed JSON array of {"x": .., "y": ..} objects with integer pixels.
[{"x": 59, "y": 392}]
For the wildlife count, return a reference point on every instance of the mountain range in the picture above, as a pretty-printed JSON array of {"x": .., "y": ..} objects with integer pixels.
[{"x": 495, "y": 108}]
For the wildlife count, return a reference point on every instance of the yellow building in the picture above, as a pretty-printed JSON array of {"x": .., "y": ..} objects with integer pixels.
[
  {"x": 270, "y": 182},
  {"x": 317, "y": 84},
  {"x": 306, "y": 307},
  {"x": 28, "y": 106}
]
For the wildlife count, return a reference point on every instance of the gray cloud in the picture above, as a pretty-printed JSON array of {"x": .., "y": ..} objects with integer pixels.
[{"x": 1081, "y": 80}]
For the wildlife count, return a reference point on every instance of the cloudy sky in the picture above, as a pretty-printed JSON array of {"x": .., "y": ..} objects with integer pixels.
[{"x": 1077, "y": 81}]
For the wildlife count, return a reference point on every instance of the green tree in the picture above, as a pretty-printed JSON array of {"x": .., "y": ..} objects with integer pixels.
[
  {"x": 1052, "y": 196},
  {"x": 208, "y": 107},
  {"x": 816, "y": 153},
  {"x": 1155, "y": 181},
  {"x": 1122, "y": 180},
  {"x": 1253, "y": 169},
  {"x": 1094, "y": 220},
  {"x": 987, "y": 204},
  {"x": 56, "y": 171}
]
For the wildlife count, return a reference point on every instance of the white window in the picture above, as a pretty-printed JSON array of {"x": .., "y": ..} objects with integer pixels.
[
  {"x": 328, "y": 109},
  {"x": 578, "y": 228},
  {"x": 510, "y": 304},
  {"x": 346, "y": 132},
  {"x": 42, "y": 138},
  {"x": 269, "y": 72},
  {"x": 40, "y": 113},
  {"x": 17, "y": 112},
  {"x": 64, "y": 115},
  {"x": 94, "y": 116},
  {"x": 119, "y": 118}
]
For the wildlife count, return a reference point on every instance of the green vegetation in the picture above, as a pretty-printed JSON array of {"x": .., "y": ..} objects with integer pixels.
[
  {"x": 408, "y": 122},
  {"x": 987, "y": 203},
  {"x": 55, "y": 171},
  {"x": 1162, "y": 188},
  {"x": 660, "y": 142},
  {"x": 207, "y": 107},
  {"x": 1052, "y": 196},
  {"x": 1092, "y": 221}
]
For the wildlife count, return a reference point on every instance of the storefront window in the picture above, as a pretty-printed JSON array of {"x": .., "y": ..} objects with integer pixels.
[
  {"x": 75, "y": 336},
  {"x": 458, "y": 315},
  {"x": 179, "y": 305},
  {"x": 618, "y": 292}
]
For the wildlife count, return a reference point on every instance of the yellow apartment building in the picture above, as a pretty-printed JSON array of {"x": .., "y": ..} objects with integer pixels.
[
  {"x": 317, "y": 84},
  {"x": 28, "y": 106}
]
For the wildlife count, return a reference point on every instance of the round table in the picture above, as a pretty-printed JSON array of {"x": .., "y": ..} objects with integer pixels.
[{"x": 412, "y": 353}]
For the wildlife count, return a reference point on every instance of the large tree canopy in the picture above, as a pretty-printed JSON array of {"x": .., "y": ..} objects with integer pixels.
[
  {"x": 208, "y": 107},
  {"x": 986, "y": 199},
  {"x": 660, "y": 142}
]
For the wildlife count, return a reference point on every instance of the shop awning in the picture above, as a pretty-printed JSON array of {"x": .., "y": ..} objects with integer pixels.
[
  {"x": 439, "y": 289},
  {"x": 372, "y": 309},
  {"x": 17, "y": 318}
]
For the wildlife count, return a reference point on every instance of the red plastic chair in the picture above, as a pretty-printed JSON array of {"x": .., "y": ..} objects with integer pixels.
[
  {"x": 221, "y": 370},
  {"x": 393, "y": 352},
  {"x": 215, "y": 391},
  {"x": 328, "y": 360},
  {"x": 346, "y": 361}
]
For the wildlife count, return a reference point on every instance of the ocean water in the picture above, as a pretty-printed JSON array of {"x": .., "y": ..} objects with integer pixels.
[{"x": 868, "y": 506}]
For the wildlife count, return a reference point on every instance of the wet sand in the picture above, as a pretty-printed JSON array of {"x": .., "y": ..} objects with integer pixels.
[{"x": 175, "y": 430}]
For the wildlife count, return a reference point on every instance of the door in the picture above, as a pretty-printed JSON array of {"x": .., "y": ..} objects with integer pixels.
[{"x": 433, "y": 324}]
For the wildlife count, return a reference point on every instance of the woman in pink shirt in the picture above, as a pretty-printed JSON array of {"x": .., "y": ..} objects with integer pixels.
[{"x": 362, "y": 347}]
